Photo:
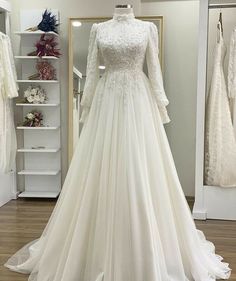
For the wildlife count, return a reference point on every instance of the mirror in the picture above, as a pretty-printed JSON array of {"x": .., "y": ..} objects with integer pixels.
[{"x": 79, "y": 30}]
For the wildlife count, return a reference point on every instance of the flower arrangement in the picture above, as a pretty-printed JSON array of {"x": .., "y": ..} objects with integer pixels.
[
  {"x": 35, "y": 95},
  {"x": 33, "y": 119},
  {"x": 47, "y": 24},
  {"x": 46, "y": 46},
  {"x": 46, "y": 71}
]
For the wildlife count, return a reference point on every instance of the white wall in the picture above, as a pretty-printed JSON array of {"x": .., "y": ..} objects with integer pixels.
[
  {"x": 180, "y": 26},
  {"x": 180, "y": 77}
]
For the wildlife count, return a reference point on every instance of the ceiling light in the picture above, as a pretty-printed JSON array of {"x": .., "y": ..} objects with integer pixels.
[{"x": 76, "y": 23}]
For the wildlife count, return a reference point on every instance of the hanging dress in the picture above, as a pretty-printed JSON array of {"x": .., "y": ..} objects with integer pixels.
[
  {"x": 220, "y": 144},
  {"x": 8, "y": 90},
  {"x": 232, "y": 77},
  {"x": 122, "y": 214}
]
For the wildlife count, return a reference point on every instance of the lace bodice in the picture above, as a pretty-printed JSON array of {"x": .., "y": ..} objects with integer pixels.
[{"x": 122, "y": 44}]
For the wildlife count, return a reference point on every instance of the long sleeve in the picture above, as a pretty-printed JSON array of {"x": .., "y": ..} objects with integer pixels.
[
  {"x": 92, "y": 74},
  {"x": 8, "y": 90},
  {"x": 11, "y": 87},
  {"x": 232, "y": 66},
  {"x": 155, "y": 74}
]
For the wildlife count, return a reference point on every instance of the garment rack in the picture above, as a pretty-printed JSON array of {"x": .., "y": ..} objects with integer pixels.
[{"x": 221, "y": 6}]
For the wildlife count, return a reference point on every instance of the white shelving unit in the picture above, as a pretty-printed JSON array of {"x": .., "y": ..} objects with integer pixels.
[
  {"x": 39, "y": 148},
  {"x": 39, "y": 173},
  {"x": 36, "y": 33},
  {"x": 37, "y": 105},
  {"x": 38, "y": 194},
  {"x": 37, "y": 81},
  {"x": 36, "y": 58},
  {"x": 37, "y": 128}
]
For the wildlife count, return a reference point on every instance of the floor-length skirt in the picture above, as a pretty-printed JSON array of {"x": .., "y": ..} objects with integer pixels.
[{"x": 121, "y": 215}]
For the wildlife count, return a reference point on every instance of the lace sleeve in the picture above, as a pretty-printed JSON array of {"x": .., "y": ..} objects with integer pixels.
[
  {"x": 232, "y": 66},
  {"x": 92, "y": 74},
  {"x": 154, "y": 73}
]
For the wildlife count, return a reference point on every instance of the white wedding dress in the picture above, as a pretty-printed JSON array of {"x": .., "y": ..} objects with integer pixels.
[
  {"x": 121, "y": 215},
  {"x": 220, "y": 143}
]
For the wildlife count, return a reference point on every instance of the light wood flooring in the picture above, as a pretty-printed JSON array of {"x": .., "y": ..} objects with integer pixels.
[{"x": 23, "y": 220}]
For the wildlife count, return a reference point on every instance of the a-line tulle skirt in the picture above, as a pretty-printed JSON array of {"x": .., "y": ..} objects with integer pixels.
[{"x": 122, "y": 214}]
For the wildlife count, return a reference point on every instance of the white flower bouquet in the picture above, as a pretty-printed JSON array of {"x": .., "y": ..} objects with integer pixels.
[
  {"x": 33, "y": 119},
  {"x": 35, "y": 95}
]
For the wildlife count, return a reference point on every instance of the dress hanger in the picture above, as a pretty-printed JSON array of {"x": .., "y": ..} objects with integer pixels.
[
  {"x": 221, "y": 22},
  {"x": 220, "y": 27}
]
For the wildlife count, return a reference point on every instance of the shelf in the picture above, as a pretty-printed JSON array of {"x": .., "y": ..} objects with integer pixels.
[
  {"x": 39, "y": 172},
  {"x": 37, "y": 128},
  {"x": 36, "y": 81},
  {"x": 38, "y": 150},
  {"x": 5, "y": 6},
  {"x": 37, "y": 104},
  {"x": 36, "y": 57},
  {"x": 38, "y": 32},
  {"x": 39, "y": 155},
  {"x": 39, "y": 194}
]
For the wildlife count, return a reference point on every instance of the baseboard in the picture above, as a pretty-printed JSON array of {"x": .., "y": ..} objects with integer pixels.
[{"x": 199, "y": 214}]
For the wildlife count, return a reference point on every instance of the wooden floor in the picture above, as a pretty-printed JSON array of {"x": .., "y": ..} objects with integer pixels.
[{"x": 23, "y": 220}]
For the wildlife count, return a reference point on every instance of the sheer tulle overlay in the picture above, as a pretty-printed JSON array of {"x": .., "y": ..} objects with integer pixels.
[{"x": 122, "y": 214}]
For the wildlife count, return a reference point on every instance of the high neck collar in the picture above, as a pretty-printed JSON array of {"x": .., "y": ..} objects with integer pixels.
[{"x": 123, "y": 16}]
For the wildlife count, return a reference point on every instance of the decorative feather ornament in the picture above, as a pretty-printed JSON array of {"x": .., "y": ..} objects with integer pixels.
[{"x": 47, "y": 24}]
